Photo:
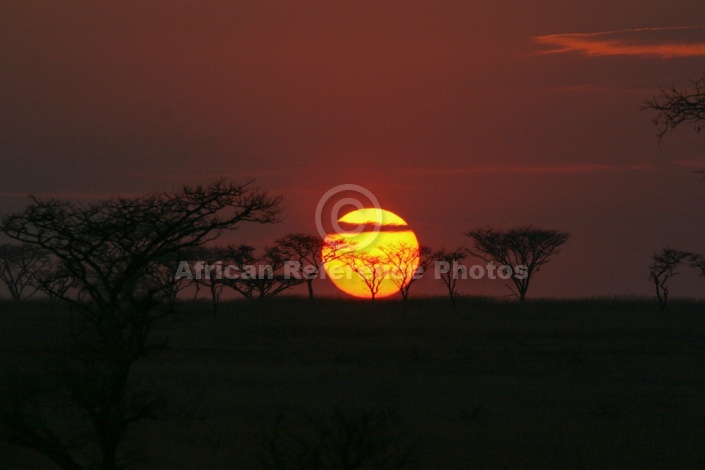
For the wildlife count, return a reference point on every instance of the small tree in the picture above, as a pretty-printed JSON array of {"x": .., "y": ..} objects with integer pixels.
[
  {"x": 525, "y": 247},
  {"x": 408, "y": 263},
  {"x": 163, "y": 271},
  {"x": 21, "y": 268},
  {"x": 211, "y": 256},
  {"x": 447, "y": 269},
  {"x": 698, "y": 261},
  {"x": 663, "y": 268},
  {"x": 306, "y": 250},
  {"x": 311, "y": 252},
  {"x": 55, "y": 280},
  {"x": 259, "y": 277},
  {"x": 676, "y": 107},
  {"x": 372, "y": 269}
]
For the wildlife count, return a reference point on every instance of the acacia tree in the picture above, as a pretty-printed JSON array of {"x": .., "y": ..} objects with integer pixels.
[
  {"x": 310, "y": 252},
  {"x": 527, "y": 248},
  {"x": 676, "y": 107},
  {"x": 372, "y": 268},
  {"x": 163, "y": 271},
  {"x": 663, "y": 268},
  {"x": 698, "y": 261},
  {"x": 108, "y": 248},
  {"x": 206, "y": 259},
  {"x": 259, "y": 277},
  {"x": 408, "y": 263},
  {"x": 21, "y": 268},
  {"x": 447, "y": 269},
  {"x": 54, "y": 280}
]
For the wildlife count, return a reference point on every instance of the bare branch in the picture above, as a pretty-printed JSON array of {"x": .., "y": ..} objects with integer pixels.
[
  {"x": 676, "y": 107},
  {"x": 21, "y": 269}
]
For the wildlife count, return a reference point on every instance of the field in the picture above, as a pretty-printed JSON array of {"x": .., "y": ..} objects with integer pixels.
[{"x": 599, "y": 383}]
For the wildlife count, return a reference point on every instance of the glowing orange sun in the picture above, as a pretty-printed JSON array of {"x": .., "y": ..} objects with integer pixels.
[{"x": 372, "y": 253}]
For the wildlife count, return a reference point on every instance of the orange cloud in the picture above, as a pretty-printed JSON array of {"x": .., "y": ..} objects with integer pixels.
[{"x": 664, "y": 43}]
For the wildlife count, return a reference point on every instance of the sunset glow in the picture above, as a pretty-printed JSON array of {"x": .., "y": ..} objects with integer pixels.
[
  {"x": 347, "y": 234},
  {"x": 347, "y": 274}
]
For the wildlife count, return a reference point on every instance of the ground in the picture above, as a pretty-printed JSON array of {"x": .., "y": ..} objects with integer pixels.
[{"x": 492, "y": 384}]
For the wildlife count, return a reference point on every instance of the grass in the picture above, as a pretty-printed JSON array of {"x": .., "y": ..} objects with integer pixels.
[{"x": 590, "y": 383}]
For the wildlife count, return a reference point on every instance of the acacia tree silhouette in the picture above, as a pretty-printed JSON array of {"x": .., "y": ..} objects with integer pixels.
[
  {"x": 210, "y": 256},
  {"x": 311, "y": 252},
  {"x": 164, "y": 268},
  {"x": 522, "y": 246},
  {"x": 109, "y": 249},
  {"x": 663, "y": 268},
  {"x": 408, "y": 263},
  {"x": 21, "y": 269},
  {"x": 449, "y": 275},
  {"x": 259, "y": 276},
  {"x": 698, "y": 261},
  {"x": 372, "y": 269},
  {"x": 675, "y": 107},
  {"x": 54, "y": 280}
]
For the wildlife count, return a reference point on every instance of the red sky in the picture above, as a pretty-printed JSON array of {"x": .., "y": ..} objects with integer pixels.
[{"x": 454, "y": 114}]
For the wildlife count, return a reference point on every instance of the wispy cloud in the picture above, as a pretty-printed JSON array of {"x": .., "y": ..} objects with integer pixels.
[
  {"x": 696, "y": 163},
  {"x": 557, "y": 169},
  {"x": 663, "y": 43}
]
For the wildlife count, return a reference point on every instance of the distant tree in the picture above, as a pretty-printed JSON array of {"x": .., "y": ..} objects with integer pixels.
[
  {"x": 526, "y": 247},
  {"x": 698, "y": 261},
  {"x": 448, "y": 269},
  {"x": 243, "y": 258},
  {"x": 21, "y": 267},
  {"x": 55, "y": 280},
  {"x": 676, "y": 107},
  {"x": 108, "y": 249},
  {"x": 372, "y": 269},
  {"x": 311, "y": 252},
  {"x": 408, "y": 263},
  {"x": 663, "y": 268},
  {"x": 204, "y": 275},
  {"x": 306, "y": 250},
  {"x": 164, "y": 269},
  {"x": 259, "y": 277}
]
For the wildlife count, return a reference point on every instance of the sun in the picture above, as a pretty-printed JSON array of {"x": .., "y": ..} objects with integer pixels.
[{"x": 370, "y": 249}]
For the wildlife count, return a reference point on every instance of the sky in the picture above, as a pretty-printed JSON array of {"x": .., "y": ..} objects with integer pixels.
[{"x": 454, "y": 114}]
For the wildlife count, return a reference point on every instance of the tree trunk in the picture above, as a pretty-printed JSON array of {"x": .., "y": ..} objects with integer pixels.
[
  {"x": 108, "y": 452},
  {"x": 14, "y": 292},
  {"x": 214, "y": 300},
  {"x": 111, "y": 422},
  {"x": 309, "y": 282}
]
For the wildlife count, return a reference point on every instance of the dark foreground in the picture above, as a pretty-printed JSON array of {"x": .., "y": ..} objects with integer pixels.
[{"x": 567, "y": 384}]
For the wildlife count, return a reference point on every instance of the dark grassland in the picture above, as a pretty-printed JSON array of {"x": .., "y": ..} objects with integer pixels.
[{"x": 552, "y": 383}]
